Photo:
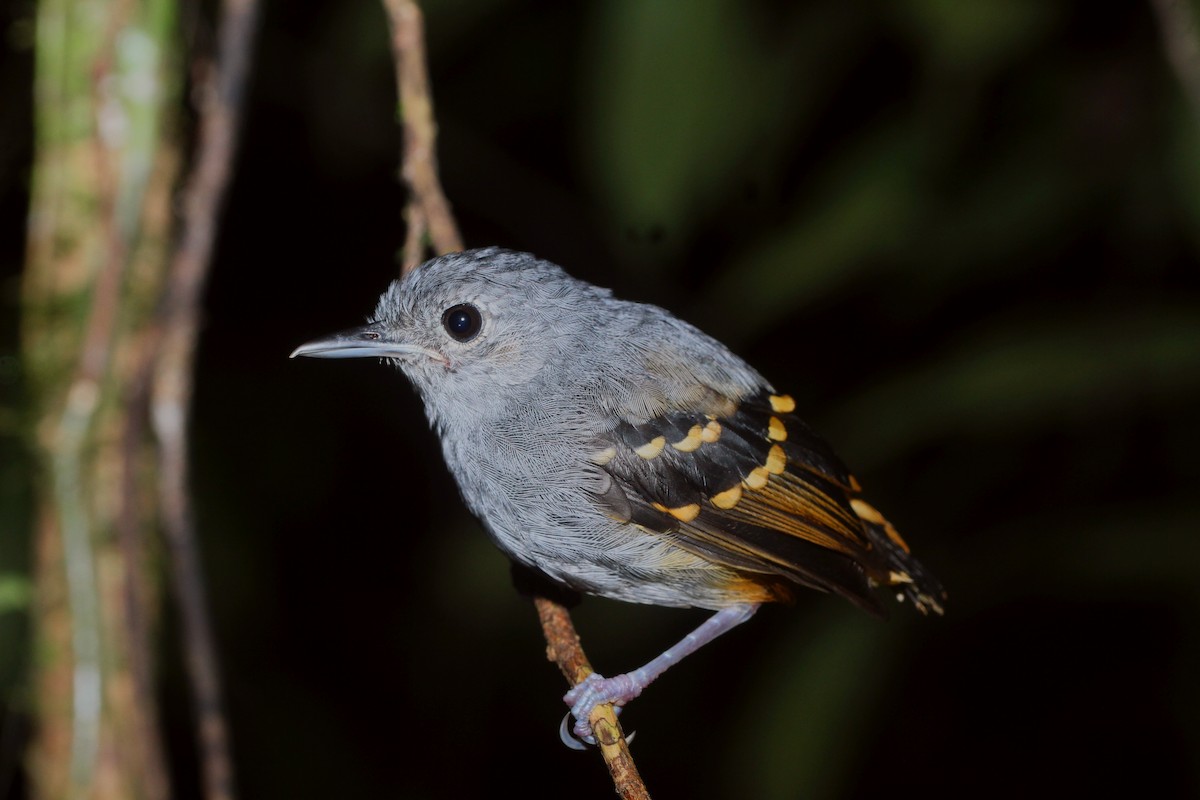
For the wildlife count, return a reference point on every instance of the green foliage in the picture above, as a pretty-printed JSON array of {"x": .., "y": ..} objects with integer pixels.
[
  {"x": 682, "y": 95},
  {"x": 978, "y": 36},
  {"x": 830, "y": 669},
  {"x": 1028, "y": 376},
  {"x": 15, "y": 592}
]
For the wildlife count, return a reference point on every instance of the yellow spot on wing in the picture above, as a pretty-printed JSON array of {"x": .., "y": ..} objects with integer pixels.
[
  {"x": 776, "y": 431},
  {"x": 685, "y": 513},
  {"x": 776, "y": 460},
  {"x": 728, "y": 498},
  {"x": 757, "y": 478},
  {"x": 711, "y": 432},
  {"x": 651, "y": 448},
  {"x": 867, "y": 511},
  {"x": 604, "y": 456},
  {"x": 690, "y": 442},
  {"x": 782, "y": 404}
]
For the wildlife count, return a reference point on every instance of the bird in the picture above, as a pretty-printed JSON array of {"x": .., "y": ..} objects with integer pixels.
[{"x": 613, "y": 449}]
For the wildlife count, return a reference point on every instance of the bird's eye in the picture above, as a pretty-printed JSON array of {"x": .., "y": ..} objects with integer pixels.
[{"x": 462, "y": 322}]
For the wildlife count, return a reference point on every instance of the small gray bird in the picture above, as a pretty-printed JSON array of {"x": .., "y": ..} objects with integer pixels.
[{"x": 621, "y": 452}]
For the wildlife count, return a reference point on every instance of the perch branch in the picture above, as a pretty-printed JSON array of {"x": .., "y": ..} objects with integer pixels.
[
  {"x": 429, "y": 217},
  {"x": 564, "y": 649}
]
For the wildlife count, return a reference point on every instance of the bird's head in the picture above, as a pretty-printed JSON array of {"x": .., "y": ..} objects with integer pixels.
[{"x": 466, "y": 325}]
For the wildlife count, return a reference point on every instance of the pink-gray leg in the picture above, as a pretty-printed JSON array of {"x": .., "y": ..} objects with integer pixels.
[{"x": 620, "y": 689}]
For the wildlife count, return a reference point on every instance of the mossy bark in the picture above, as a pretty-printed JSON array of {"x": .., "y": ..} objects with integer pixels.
[{"x": 98, "y": 246}]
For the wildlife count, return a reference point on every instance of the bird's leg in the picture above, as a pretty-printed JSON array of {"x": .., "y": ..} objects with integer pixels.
[{"x": 620, "y": 689}]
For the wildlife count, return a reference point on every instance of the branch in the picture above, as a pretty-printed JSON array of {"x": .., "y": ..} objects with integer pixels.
[
  {"x": 564, "y": 649},
  {"x": 73, "y": 443},
  {"x": 221, "y": 91},
  {"x": 428, "y": 216},
  {"x": 93, "y": 249},
  {"x": 137, "y": 595}
]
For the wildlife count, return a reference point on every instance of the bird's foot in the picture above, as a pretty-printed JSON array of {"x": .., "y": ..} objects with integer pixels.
[{"x": 595, "y": 690}]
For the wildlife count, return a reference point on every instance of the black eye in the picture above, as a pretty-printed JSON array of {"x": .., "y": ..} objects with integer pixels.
[{"x": 462, "y": 322}]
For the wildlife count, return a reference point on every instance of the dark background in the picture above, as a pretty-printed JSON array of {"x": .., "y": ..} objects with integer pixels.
[{"x": 962, "y": 235}]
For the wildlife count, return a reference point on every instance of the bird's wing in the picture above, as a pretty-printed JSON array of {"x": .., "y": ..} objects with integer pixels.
[{"x": 751, "y": 487}]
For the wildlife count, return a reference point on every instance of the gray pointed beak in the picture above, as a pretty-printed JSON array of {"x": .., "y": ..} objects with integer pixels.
[{"x": 369, "y": 341}]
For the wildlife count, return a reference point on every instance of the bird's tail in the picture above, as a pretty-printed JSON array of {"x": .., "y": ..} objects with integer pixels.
[{"x": 903, "y": 570}]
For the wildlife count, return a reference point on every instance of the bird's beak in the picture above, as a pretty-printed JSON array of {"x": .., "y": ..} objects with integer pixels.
[{"x": 369, "y": 341}]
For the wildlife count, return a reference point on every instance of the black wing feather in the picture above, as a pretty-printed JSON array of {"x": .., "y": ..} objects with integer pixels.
[{"x": 764, "y": 495}]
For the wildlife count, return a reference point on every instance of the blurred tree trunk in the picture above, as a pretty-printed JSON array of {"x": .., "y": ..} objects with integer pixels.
[{"x": 98, "y": 243}]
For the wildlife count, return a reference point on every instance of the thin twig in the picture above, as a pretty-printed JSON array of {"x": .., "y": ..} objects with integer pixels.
[
  {"x": 137, "y": 594},
  {"x": 429, "y": 213},
  {"x": 414, "y": 237},
  {"x": 564, "y": 649},
  {"x": 221, "y": 93}
]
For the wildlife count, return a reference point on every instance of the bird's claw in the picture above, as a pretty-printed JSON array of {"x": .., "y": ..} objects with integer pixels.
[
  {"x": 583, "y": 698},
  {"x": 568, "y": 737}
]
